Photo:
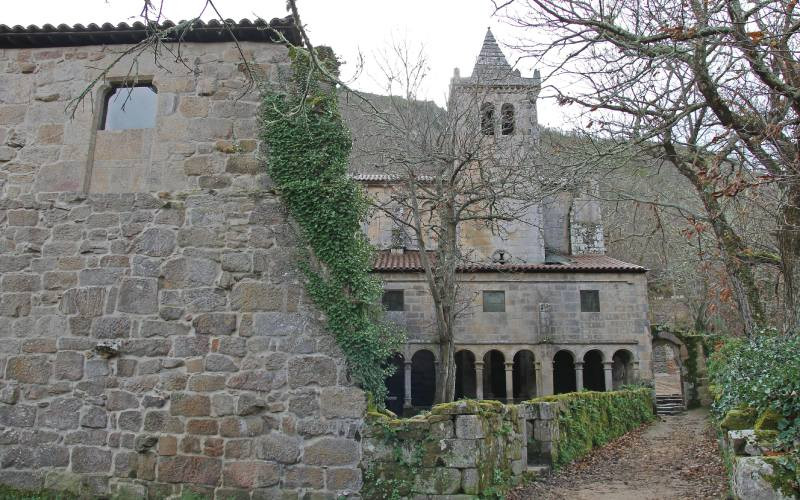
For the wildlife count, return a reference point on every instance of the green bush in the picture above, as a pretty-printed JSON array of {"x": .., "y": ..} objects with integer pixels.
[
  {"x": 762, "y": 373},
  {"x": 588, "y": 419}
]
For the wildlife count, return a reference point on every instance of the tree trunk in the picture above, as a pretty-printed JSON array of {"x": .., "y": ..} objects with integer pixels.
[
  {"x": 743, "y": 286},
  {"x": 447, "y": 371},
  {"x": 789, "y": 247}
]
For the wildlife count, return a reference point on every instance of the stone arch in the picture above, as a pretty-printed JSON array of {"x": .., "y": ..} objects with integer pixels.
[
  {"x": 466, "y": 386},
  {"x": 396, "y": 384},
  {"x": 423, "y": 378},
  {"x": 593, "y": 374},
  {"x": 494, "y": 375},
  {"x": 487, "y": 118},
  {"x": 622, "y": 368},
  {"x": 524, "y": 377},
  {"x": 507, "y": 119},
  {"x": 564, "y": 372},
  {"x": 667, "y": 365}
]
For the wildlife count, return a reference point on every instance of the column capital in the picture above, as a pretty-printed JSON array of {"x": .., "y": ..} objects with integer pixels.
[
  {"x": 607, "y": 365},
  {"x": 479, "y": 364},
  {"x": 509, "y": 365},
  {"x": 579, "y": 365}
]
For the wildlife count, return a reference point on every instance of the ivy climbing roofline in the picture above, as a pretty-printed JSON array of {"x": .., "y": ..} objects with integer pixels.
[{"x": 308, "y": 149}]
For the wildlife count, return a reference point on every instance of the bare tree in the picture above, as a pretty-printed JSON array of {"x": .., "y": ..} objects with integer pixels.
[
  {"x": 449, "y": 172},
  {"x": 710, "y": 87}
]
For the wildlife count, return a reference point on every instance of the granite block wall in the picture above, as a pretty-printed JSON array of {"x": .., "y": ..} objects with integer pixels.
[
  {"x": 155, "y": 338},
  {"x": 146, "y": 348}
]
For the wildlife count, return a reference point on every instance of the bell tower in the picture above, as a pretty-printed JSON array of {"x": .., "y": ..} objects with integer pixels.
[
  {"x": 499, "y": 109},
  {"x": 506, "y": 100}
]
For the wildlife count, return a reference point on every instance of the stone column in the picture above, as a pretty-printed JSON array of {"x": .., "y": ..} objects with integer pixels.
[
  {"x": 479, "y": 380},
  {"x": 607, "y": 367},
  {"x": 537, "y": 365},
  {"x": 547, "y": 379},
  {"x": 635, "y": 371},
  {"x": 509, "y": 381},
  {"x": 579, "y": 376},
  {"x": 407, "y": 387}
]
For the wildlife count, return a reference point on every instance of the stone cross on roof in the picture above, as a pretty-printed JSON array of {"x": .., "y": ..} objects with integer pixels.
[{"x": 491, "y": 61}]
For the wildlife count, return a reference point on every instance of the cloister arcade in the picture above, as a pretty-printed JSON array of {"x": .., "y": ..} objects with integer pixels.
[{"x": 509, "y": 374}]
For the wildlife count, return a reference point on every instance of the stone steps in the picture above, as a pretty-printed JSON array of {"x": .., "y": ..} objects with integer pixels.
[
  {"x": 538, "y": 470},
  {"x": 669, "y": 404}
]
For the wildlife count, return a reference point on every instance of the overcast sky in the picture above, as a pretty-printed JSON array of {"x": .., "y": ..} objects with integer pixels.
[{"x": 451, "y": 31}]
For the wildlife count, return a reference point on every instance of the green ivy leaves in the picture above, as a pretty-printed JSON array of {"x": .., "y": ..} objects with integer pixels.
[{"x": 308, "y": 152}]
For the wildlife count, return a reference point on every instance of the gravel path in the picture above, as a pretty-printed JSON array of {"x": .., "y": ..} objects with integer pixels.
[{"x": 674, "y": 458}]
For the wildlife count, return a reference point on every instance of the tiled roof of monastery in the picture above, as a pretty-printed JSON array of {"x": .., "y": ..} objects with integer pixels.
[
  {"x": 409, "y": 261},
  {"x": 64, "y": 35}
]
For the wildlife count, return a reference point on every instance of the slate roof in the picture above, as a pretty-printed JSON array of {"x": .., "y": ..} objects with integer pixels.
[
  {"x": 64, "y": 35},
  {"x": 409, "y": 261},
  {"x": 491, "y": 61}
]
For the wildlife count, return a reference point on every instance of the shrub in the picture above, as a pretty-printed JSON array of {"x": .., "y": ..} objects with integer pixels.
[{"x": 762, "y": 373}]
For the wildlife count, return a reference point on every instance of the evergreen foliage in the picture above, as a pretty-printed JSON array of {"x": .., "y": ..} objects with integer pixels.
[
  {"x": 308, "y": 149},
  {"x": 762, "y": 373}
]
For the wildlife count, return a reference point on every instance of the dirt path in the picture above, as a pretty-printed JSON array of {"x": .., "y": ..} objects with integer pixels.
[{"x": 676, "y": 457}]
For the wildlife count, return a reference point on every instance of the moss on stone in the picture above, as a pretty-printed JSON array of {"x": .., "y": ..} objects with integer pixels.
[
  {"x": 736, "y": 420},
  {"x": 785, "y": 476},
  {"x": 768, "y": 421},
  {"x": 767, "y": 436}
]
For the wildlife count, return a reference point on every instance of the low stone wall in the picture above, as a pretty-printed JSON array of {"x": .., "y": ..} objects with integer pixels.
[
  {"x": 484, "y": 447},
  {"x": 158, "y": 345},
  {"x": 467, "y": 447},
  {"x": 565, "y": 427},
  {"x": 756, "y": 470}
]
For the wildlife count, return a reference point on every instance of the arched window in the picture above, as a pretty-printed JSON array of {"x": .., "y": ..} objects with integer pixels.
[
  {"x": 487, "y": 118},
  {"x": 507, "y": 119}
]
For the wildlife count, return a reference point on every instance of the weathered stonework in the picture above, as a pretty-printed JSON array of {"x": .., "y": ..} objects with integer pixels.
[{"x": 154, "y": 336}]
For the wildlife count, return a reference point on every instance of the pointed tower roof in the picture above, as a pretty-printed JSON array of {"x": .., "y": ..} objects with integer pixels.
[{"x": 491, "y": 61}]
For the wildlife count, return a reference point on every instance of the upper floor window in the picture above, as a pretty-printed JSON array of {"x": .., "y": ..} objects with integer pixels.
[
  {"x": 507, "y": 119},
  {"x": 494, "y": 301},
  {"x": 130, "y": 107},
  {"x": 487, "y": 118},
  {"x": 394, "y": 300},
  {"x": 590, "y": 301}
]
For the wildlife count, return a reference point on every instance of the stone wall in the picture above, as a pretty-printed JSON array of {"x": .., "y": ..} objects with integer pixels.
[
  {"x": 163, "y": 344},
  {"x": 484, "y": 447},
  {"x": 462, "y": 448},
  {"x": 157, "y": 340},
  {"x": 756, "y": 470}
]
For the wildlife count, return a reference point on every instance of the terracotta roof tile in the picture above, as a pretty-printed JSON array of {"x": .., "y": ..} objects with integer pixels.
[
  {"x": 409, "y": 261},
  {"x": 64, "y": 35}
]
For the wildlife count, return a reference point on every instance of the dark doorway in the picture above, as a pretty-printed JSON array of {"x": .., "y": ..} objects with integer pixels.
[
  {"x": 593, "y": 377},
  {"x": 494, "y": 376},
  {"x": 524, "y": 376},
  {"x": 465, "y": 375},
  {"x": 622, "y": 368},
  {"x": 563, "y": 372},
  {"x": 423, "y": 378},
  {"x": 396, "y": 385}
]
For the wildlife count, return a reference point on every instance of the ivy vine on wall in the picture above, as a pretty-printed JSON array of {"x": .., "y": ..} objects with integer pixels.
[{"x": 308, "y": 150}]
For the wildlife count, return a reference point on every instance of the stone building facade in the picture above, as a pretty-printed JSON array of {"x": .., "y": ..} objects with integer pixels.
[
  {"x": 552, "y": 313},
  {"x": 154, "y": 336}
]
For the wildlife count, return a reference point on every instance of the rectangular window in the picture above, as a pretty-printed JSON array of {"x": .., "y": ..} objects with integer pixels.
[
  {"x": 590, "y": 301},
  {"x": 130, "y": 107},
  {"x": 494, "y": 301},
  {"x": 393, "y": 300}
]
